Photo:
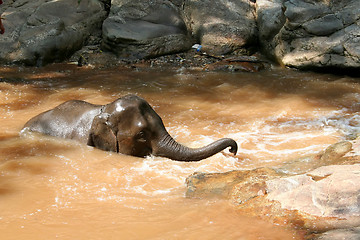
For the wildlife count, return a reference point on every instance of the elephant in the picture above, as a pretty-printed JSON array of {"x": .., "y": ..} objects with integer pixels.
[
  {"x": 2, "y": 28},
  {"x": 128, "y": 125}
]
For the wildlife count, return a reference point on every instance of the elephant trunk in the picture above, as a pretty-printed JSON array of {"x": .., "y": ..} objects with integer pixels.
[{"x": 168, "y": 147}]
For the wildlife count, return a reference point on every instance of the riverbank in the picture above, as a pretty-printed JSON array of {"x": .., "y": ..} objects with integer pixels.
[{"x": 93, "y": 56}]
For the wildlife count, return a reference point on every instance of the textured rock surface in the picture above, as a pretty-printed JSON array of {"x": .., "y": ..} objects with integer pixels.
[
  {"x": 143, "y": 29},
  {"x": 334, "y": 154},
  {"x": 229, "y": 184},
  {"x": 310, "y": 192},
  {"x": 329, "y": 191},
  {"x": 39, "y": 32},
  {"x": 308, "y": 34},
  {"x": 222, "y": 26},
  {"x": 296, "y": 33},
  {"x": 340, "y": 234}
]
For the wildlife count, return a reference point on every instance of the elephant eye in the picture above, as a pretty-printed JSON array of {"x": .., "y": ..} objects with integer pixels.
[{"x": 141, "y": 136}]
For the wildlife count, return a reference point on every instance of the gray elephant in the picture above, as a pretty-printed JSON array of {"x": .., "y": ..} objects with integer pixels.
[{"x": 128, "y": 125}]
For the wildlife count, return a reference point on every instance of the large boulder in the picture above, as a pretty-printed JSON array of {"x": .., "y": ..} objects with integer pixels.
[
  {"x": 311, "y": 34},
  {"x": 40, "y": 32},
  {"x": 323, "y": 199},
  {"x": 340, "y": 234},
  {"x": 241, "y": 185},
  {"x": 329, "y": 191},
  {"x": 222, "y": 26},
  {"x": 144, "y": 29},
  {"x": 318, "y": 192}
]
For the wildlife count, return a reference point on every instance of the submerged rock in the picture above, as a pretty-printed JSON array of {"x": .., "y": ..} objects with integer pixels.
[
  {"x": 230, "y": 184},
  {"x": 40, "y": 32},
  {"x": 334, "y": 154},
  {"x": 142, "y": 29}
]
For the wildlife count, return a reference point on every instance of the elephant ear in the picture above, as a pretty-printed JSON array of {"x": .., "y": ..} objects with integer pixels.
[{"x": 101, "y": 134}]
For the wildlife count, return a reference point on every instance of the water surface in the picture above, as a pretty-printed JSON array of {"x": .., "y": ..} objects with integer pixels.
[{"x": 53, "y": 187}]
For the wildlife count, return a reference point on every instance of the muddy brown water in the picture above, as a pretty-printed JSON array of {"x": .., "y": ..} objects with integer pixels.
[{"x": 56, "y": 188}]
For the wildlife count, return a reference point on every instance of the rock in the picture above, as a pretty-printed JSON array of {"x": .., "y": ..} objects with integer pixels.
[
  {"x": 323, "y": 196},
  {"x": 324, "y": 199},
  {"x": 301, "y": 165},
  {"x": 242, "y": 185},
  {"x": 323, "y": 26},
  {"x": 222, "y": 26},
  {"x": 305, "y": 34},
  {"x": 222, "y": 184},
  {"x": 40, "y": 32},
  {"x": 253, "y": 185},
  {"x": 335, "y": 152},
  {"x": 270, "y": 18},
  {"x": 212, "y": 184},
  {"x": 296, "y": 33},
  {"x": 144, "y": 29},
  {"x": 237, "y": 64},
  {"x": 328, "y": 193},
  {"x": 340, "y": 234}
]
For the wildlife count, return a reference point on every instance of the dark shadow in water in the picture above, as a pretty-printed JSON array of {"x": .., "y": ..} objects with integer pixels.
[
  {"x": 37, "y": 146},
  {"x": 24, "y": 156},
  {"x": 5, "y": 185},
  {"x": 327, "y": 89}
]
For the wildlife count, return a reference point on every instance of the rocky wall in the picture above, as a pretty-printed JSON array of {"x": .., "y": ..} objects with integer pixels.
[
  {"x": 294, "y": 33},
  {"x": 310, "y": 34}
]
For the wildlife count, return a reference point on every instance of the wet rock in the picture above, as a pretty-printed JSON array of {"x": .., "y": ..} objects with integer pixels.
[
  {"x": 93, "y": 56},
  {"x": 144, "y": 29},
  {"x": 325, "y": 198},
  {"x": 40, "y": 32},
  {"x": 329, "y": 191},
  {"x": 253, "y": 185},
  {"x": 340, "y": 234},
  {"x": 237, "y": 64},
  {"x": 230, "y": 184},
  {"x": 242, "y": 185},
  {"x": 301, "y": 165},
  {"x": 318, "y": 196},
  {"x": 334, "y": 154},
  {"x": 305, "y": 34},
  {"x": 212, "y": 184},
  {"x": 222, "y": 26}
]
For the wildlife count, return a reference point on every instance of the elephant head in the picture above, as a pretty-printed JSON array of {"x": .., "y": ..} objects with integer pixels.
[{"x": 130, "y": 126}]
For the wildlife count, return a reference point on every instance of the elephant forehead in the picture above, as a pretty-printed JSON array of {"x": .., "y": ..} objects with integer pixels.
[
  {"x": 140, "y": 123},
  {"x": 119, "y": 107}
]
